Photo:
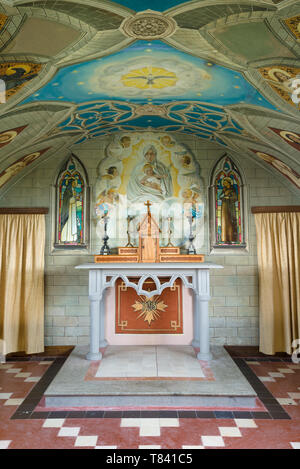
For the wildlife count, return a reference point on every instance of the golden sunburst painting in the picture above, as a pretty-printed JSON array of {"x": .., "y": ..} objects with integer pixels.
[
  {"x": 149, "y": 308},
  {"x": 149, "y": 77}
]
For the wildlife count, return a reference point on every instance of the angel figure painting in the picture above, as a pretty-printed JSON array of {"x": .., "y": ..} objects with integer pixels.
[
  {"x": 281, "y": 80},
  {"x": 292, "y": 138}
]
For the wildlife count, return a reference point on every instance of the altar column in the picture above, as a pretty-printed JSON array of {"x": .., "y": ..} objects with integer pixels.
[
  {"x": 95, "y": 297},
  {"x": 102, "y": 342},
  {"x": 196, "y": 300},
  {"x": 203, "y": 297}
]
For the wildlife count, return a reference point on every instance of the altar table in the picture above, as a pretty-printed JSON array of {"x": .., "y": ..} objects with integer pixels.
[{"x": 193, "y": 275}]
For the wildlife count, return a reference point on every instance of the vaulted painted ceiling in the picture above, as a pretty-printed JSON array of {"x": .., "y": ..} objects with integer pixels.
[{"x": 224, "y": 71}]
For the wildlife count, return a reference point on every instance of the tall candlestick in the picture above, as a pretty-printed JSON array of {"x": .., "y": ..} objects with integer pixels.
[
  {"x": 129, "y": 220},
  {"x": 191, "y": 248},
  {"x": 105, "y": 250},
  {"x": 169, "y": 232}
]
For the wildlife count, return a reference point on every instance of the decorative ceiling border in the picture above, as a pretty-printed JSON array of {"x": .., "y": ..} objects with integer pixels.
[
  {"x": 42, "y": 128},
  {"x": 247, "y": 117},
  {"x": 196, "y": 4}
]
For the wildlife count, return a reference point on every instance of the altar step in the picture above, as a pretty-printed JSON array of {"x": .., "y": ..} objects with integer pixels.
[{"x": 150, "y": 377}]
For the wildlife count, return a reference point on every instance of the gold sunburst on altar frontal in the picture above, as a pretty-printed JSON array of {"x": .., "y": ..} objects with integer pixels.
[
  {"x": 149, "y": 78},
  {"x": 149, "y": 308},
  {"x": 294, "y": 25}
]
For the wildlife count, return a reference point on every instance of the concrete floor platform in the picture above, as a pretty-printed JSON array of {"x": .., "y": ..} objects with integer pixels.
[
  {"x": 151, "y": 361},
  {"x": 226, "y": 387}
]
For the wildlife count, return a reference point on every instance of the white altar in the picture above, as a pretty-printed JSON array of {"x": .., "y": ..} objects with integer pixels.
[{"x": 193, "y": 275}]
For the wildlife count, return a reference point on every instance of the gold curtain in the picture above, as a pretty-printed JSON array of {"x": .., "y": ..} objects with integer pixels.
[
  {"x": 278, "y": 249},
  {"x": 22, "y": 245}
]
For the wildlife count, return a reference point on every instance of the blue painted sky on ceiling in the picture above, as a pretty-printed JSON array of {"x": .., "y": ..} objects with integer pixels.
[
  {"x": 149, "y": 72},
  {"x": 157, "y": 5}
]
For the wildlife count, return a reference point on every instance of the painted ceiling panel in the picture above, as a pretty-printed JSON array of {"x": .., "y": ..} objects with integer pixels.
[
  {"x": 34, "y": 35},
  {"x": 261, "y": 43},
  {"x": 150, "y": 72}
]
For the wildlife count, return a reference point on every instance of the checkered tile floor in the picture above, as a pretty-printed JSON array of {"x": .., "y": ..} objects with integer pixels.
[{"x": 18, "y": 381}]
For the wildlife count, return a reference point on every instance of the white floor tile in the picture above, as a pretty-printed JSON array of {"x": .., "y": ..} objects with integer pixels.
[
  {"x": 276, "y": 375},
  {"x": 4, "y": 444},
  {"x": 82, "y": 441},
  {"x": 213, "y": 441},
  {"x": 169, "y": 422},
  {"x": 294, "y": 395},
  {"x": 296, "y": 445},
  {"x": 33, "y": 379},
  {"x": 286, "y": 401},
  {"x": 5, "y": 395},
  {"x": 14, "y": 402},
  {"x": 230, "y": 431},
  {"x": 150, "y": 427},
  {"x": 69, "y": 431},
  {"x": 130, "y": 422},
  {"x": 245, "y": 423},
  {"x": 23, "y": 375},
  {"x": 53, "y": 423},
  {"x": 266, "y": 379}
]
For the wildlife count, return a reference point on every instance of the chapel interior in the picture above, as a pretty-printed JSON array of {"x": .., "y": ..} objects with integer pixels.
[{"x": 150, "y": 224}]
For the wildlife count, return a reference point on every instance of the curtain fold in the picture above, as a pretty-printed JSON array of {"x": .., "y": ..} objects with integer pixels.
[
  {"x": 22, "y": 246},
  {"x": 278, "y": 250}
]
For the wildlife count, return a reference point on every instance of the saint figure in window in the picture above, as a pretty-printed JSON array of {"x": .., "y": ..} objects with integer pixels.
[
  {"x": 228, "y": 199},
  {"x": 71, "y": 196},
  {"x": 71, "y": 212}
]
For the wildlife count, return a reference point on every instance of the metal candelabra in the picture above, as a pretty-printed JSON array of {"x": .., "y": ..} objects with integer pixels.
[
  {"x": 105, "y": 250},
  {"x": 129, "y": 220},
  {"x": 169, "y": 232},
  {"x": 191, "y": 248}
]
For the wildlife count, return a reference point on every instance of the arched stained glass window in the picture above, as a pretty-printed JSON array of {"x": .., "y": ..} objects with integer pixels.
[
  {"x": 227, "y": 206},
  {"x": 71, "y": 205}
]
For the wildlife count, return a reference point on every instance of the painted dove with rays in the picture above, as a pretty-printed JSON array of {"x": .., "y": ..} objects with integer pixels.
[{"x": 149, "y": 77}]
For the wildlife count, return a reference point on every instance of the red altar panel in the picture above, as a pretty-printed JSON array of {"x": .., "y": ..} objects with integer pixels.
[{"x": 160, "y": 314}]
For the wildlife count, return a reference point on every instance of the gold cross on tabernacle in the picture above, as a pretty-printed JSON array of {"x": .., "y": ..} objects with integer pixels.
[{"x": 148, "y": 205}]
